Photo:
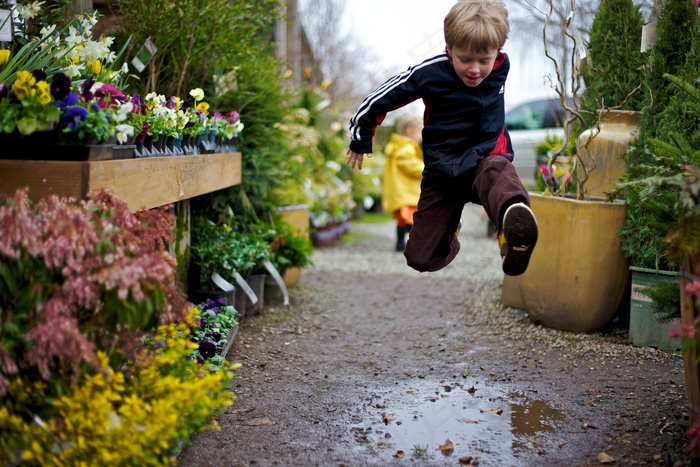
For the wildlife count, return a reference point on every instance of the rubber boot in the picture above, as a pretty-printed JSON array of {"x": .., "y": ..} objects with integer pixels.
[{"x": 401, "y": 237}]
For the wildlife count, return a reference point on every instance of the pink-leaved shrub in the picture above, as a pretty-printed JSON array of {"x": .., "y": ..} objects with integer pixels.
[{"x": 77, "y": 277}]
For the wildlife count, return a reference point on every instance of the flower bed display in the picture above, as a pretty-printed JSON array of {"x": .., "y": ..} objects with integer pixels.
[{"x": 99, "y": 350}]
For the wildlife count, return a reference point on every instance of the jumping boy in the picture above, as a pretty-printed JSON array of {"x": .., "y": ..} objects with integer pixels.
[{"x": 467, "y": 150}]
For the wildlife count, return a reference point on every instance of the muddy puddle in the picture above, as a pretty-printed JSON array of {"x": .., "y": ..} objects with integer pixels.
[{"x": 436, "y": 422}]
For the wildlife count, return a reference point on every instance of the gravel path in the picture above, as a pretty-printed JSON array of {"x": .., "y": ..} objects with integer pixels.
[{"x": 374, "y": 364}]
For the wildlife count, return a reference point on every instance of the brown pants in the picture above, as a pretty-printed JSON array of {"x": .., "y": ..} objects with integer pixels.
[{"x": 493, "y": 183}]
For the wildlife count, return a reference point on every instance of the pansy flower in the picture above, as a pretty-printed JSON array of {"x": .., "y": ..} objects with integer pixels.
[
  {"x": 87, "y": 88},
  {"x": 60, "y": 86},
  {"x": 74, "y": 116}
]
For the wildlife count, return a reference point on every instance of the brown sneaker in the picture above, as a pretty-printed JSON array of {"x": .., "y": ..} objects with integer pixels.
[{"x": 518, "y": 238}]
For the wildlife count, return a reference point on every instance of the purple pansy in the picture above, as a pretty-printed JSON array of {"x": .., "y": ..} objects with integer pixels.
[
  {"x": 60, "y": 86},
  {"x": 74, "y": 116},
  {"x": 207, "y": 349},
  {"x": 68, "y": 101},
  {"x": 87, "y": 88}
]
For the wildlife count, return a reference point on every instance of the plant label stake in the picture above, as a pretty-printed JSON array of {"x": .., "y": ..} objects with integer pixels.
[
  {"x": 278, "y": 279},
  {"x": 246, "y": 288},
  {"x": 222, "y": 283}
]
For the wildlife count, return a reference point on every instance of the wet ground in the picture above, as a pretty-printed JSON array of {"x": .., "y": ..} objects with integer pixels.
[{"x": 374, "y": 364}]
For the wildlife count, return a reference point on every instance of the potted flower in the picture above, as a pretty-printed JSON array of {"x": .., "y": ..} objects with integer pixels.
[
  {"x": 213, "y": 248},
  {"x": 573, "y": 230},
  {"x": 194, "y": 108},
  {"x": 213, "y": 332}
]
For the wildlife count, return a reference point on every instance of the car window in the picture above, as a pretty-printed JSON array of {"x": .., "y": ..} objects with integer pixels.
[{"x": 528, "y": 116}]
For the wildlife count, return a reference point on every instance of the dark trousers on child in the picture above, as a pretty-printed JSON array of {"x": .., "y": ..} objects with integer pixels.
[{"x": 493, "y": 183}]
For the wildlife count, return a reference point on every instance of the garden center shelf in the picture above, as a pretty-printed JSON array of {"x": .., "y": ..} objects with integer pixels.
[{"x": 141, "y": 182}]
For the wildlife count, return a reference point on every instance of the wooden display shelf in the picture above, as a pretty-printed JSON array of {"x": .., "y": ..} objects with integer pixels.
[{"x": 141, "y": 183}]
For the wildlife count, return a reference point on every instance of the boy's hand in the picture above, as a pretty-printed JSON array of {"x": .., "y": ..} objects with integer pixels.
[{"x": 354, "y": 157}]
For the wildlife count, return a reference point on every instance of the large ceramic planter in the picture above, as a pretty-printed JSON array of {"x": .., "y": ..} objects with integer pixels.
[
  {"x": 577, "y": 275},
  {"x": 645, "y": 330},
  {"x": 689, "y": 315},
  {"x": 297, "y": 216},
  {"x": 602, "y": 150}
]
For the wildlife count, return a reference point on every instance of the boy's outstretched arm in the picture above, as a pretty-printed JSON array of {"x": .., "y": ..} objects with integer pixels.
[{"x": 356, "y": 157}]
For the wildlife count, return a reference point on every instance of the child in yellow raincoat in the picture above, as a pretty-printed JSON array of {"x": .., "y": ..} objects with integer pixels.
[{"x": 402, "y": 175}]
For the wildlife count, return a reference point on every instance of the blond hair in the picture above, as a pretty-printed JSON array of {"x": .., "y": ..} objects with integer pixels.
[
  {"x": 405, "y": 123},
  {"x": 479, "y": 24}
]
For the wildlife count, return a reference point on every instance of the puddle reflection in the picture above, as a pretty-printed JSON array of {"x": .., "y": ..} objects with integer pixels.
[{"x": 486, "y": 422}]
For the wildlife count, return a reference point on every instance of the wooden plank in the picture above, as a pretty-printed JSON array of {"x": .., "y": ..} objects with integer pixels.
[
  {"x": 156, "y": 181},
  {"x": 43, "y": 177},
  {"x": 147, "y": 182}
]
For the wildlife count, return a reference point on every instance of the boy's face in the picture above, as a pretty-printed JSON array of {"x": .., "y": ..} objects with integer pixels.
[{"x": 472, "y": 67}]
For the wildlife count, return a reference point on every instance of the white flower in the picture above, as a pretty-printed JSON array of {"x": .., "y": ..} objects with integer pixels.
[
  {"x": 74, "y": 38},
  {"x": 123, "y": 132},
  {"x": 125, "y": 68},
  {"x": 197, "y": 94},
  {"x": 47, "y": 31},
  {"x": 154, "y": 100},
  {"x": 182, "y": 119},
  {"x": 124, "y": 111},
  {"x": 107, "y": 40},
  {"x": 30, "y": 11},
  {"x": 74, "y": 70}
]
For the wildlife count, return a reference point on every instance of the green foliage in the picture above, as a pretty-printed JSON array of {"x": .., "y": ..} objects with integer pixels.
[
  {"x": 616, "y": 64},
  {"x": 675, "y": 27},
  {"x": 266, "y": 165},
  {"x": 667, "y": 199},
  {"x": 666, "y": 300},
  {"x": 197, "y": 39},
  {"x": 227, "y": 247},
  {"x": 290, "y": 247},
  {"x": 677, "y": 32}
]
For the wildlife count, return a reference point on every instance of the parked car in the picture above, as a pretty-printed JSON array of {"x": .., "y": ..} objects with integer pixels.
[{"x": 529, "y": 123}]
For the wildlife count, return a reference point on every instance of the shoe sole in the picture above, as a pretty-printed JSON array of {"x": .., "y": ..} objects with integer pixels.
[{"x": 520, "y": 232}]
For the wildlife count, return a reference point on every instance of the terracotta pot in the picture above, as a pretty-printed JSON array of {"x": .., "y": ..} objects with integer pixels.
[{"x": 578, "y": 275}]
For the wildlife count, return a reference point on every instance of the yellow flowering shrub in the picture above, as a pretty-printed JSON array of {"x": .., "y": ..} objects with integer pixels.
[{"x": 136, "y": 416}]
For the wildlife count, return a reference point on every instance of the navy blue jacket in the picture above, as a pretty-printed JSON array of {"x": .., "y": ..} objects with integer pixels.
[{"x": 462, "y": 125}]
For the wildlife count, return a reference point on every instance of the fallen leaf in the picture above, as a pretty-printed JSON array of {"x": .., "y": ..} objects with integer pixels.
[
  {"x": 399, "y": 454},
  {"x": 388, "y": 417},
  {"x": 466, "y": 460},
  {"x": 466, "y": 420},
  {"x": 379, "y": 406},
  {"x": 494, "y": 411},
  {"x": 447, "y": 388},
  {"x": 471, "y": 390},
  {"x": 447, "y": 448},
  {"x": 605, "y": 459},
  {"x": 259, "y": 422},
  {"x": 432, "y": 399},
  {"x": 239, "y": 411}
]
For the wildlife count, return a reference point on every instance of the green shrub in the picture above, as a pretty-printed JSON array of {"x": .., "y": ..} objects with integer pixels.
[{"x": 616, "y": 64}]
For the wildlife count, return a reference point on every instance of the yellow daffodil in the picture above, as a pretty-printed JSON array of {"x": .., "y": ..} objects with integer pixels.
[
  {"x": 4, "y": 57},
  {"x": 94, "y": 67}
]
